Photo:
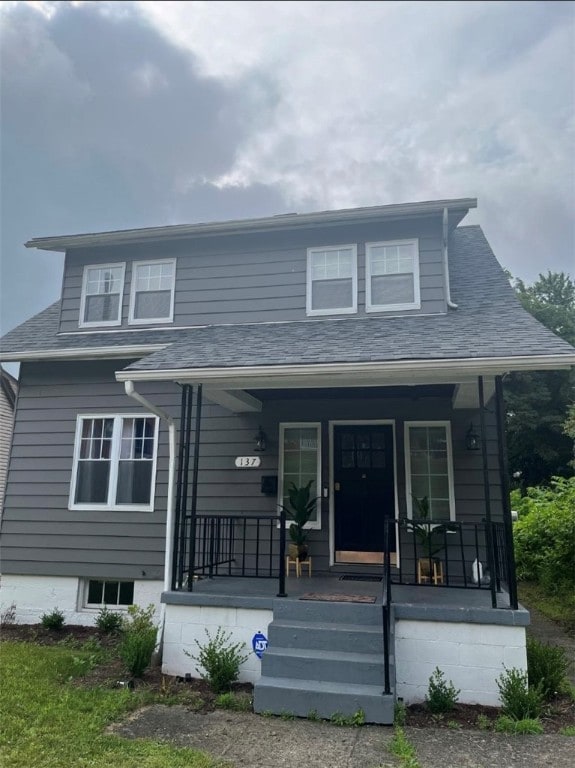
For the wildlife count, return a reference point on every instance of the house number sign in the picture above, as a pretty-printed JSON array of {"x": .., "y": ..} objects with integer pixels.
[{"x": 246, "y": 462}]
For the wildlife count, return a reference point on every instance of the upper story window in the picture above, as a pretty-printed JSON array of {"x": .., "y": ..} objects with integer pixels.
[
  {"x": 392, "y": 276},
  {"x": 332, "y": 280},
  {"x": 152, "y": 295},
  {"x": 102, "y": 290},
  {"x": 114, "y": 462}
]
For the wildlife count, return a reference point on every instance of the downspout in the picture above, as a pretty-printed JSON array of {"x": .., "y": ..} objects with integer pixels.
[
  {"x": 450, "y": 303},
  {"x": 131, "y": 392}
]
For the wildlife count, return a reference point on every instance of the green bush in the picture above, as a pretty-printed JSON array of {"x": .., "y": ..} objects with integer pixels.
[
  {"x": 138, "y": 639},
  {"x": 53, "y": 620},
  {"x": 109, "y": 621},
  {"x": 441, "y": 696},
  {"x": 544, "y": 535},
  {"x": 506, "y": 724},
  {"x": 220, "y": 660},
  {"x": 546, "y": 667},
  {"x": 518, "y": 700}
]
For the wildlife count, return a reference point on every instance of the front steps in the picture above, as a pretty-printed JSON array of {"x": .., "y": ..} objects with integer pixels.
[{"x": 325, "y": 658}]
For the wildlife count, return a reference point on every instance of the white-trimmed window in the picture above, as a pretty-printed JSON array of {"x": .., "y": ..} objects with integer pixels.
[
  {"x": 99, "y": 592},
  {"x": 300, "y": 462},
  {"x": 152, "y": 293},
  {"x": 429, "y": 468},
  {"x": 114, "y": 462},
  {"x": 332, "y": 280},
  {"x": 392, "y": 276},
  {"x": 102, "y": 291}
]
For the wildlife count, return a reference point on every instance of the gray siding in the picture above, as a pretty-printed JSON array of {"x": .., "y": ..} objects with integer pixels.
[
  {"x": 254, "y": 277},
  {"x": 42, "y": 536},
  {"x": 6, "y": 424}
]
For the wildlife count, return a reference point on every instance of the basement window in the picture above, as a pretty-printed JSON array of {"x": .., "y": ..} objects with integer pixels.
[{"x": 112, "y": 593}]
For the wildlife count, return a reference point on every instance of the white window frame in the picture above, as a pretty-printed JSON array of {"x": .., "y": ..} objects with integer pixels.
[
  {"x": 407, "y": 447},
  {"x": 120, "y": 607},
  {"x": 309, "y": 282},
  {"x": 416, "y": 304},
  {"x": 315, "y": 524},
  {"x": 110, "y": 505},
  {"x": 132, "y": 320},
  {"x": 101, "y": 323}
]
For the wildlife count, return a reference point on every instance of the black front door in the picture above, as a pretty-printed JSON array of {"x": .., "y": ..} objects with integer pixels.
[{"x": 363, "y": 491}]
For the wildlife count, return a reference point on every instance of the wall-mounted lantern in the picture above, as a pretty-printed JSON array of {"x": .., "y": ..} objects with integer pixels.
[
  {"x": 472, "y": 439},
  {"x": 260, "y": 441}
]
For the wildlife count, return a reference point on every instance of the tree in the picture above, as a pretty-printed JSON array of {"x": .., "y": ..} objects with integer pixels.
[{"x": 540, "y": 445}]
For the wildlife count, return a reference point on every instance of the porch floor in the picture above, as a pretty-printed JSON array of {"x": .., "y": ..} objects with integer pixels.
[{"x": 262, "y": 592}]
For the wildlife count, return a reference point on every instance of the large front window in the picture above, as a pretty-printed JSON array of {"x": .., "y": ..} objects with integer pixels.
[
  {"x": 115, "y": 462},
  {"x": 332, "y": 280},
  {"x": 300, "y": 462},
  {"x": 102, "y": 289},
  {"x": 392, "y": 276},
  {"x": 429, "y": 469}
]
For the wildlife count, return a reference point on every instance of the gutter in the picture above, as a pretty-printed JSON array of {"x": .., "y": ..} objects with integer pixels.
[
  {"x": 464, "y": 365},
  {"x": 450, "y": 304},
  {"x": 131, "y": 392}
]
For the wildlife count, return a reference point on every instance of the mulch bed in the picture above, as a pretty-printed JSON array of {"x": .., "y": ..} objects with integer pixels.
[{"x": 197, "y": 694}]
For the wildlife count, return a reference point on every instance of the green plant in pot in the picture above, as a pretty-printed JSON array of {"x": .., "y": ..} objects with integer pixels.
[
  {"x": 429, "y": 534},
  {"x": 300, "y": 509}
]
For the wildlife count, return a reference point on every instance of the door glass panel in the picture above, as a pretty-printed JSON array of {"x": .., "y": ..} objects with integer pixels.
[
  {"x": 348, "y": 459},
  {"x": 363, "y": 441},
  {"x": 378, "y": 441},
  {"x": 347, "y": 442},
  {"x": 378, "y": 459},
  {"x": 363, "y": 459}
]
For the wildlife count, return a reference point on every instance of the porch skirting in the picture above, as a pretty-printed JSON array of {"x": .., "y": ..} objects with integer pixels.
[{"x": 471, "y": 644}]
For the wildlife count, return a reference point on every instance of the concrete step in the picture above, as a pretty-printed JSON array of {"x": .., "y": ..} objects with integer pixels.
[
  {"x": 278, "y": 695},
  {"x": 354, "y": 638},
  {"x": 365, "y": 614},
  {"x": 331, "y": 666}
]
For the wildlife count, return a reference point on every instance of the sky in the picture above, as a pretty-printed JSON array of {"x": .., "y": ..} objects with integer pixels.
[{"x": 135, "y": 114}]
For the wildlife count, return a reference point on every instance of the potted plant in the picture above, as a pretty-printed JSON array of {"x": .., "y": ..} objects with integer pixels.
[
  {"x": 431, "y": 538},
  {"x": 300, "y": 509}
]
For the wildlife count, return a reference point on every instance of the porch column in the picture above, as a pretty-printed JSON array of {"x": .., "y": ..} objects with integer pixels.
[
  {"x": 487, "y": 493},
  {"x": 194, "y": 499},
  {"x": 179, "y": 543},
  {"x": 504, "y": 474}
]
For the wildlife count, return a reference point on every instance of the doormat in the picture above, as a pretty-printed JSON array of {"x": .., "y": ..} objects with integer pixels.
[
  {"x": 338, "y": 598},
  {"x": 359, "y": 577}
]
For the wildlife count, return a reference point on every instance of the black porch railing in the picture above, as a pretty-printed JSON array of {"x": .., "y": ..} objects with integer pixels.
[{"x": 229, "y": 545}]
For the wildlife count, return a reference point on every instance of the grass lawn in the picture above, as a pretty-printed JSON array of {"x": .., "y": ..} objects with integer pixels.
[{"x": 47, "y": 721}]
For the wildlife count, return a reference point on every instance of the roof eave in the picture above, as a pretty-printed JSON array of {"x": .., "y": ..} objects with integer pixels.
[
  {"x": 84, "y": 353},
  {"x": 270, "y": 223},
  {"x": 356, "y": 373}
]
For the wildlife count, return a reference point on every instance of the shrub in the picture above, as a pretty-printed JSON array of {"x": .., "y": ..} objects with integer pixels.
[
  {"x": 544, "y": 535},
  {"x": 220, "y": 660},
  {"x": 506, "y": 724},
  {"x": 546, "y": 667},
  {"x": 53, "y": 620},
  {"x": 518, "y": 700},
  {"x": 8, "y": 615},
  {"x": 109, "y": 621},
  {"x": 138, "y": 639},
  {"x": 441, "y": 696}
]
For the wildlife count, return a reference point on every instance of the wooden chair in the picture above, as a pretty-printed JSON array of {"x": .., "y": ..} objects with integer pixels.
[
  {"x": 298, "y": 565},
  {"x": 425, "y": 574}
]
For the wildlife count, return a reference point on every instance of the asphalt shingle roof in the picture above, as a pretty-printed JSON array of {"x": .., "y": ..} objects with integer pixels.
[{"x": 490, "y": 322}]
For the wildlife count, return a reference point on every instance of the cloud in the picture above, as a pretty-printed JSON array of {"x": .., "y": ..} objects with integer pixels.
[{"x": 133, "y": 114}]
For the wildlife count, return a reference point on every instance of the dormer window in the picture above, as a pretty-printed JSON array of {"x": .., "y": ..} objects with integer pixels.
[
  {"x": 392, "y": 276},
  {"x": 152, "y": 295},
  {"x": 332, "y": 280},
  {"x": 102, "y": 289}
]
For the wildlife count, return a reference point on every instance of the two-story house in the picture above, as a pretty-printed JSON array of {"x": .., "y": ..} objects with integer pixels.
[{"x": 189, "y": 375}]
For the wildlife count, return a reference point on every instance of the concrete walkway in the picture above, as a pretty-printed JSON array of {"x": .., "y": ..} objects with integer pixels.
[{"x": 244, "y": 740}]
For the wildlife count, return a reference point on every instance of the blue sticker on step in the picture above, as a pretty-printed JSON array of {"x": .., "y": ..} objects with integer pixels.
[{"x": 259, "y": 644}]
